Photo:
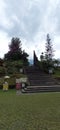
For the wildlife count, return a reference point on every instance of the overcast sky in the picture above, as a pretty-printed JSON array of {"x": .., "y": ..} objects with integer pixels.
[{"x": 30, "y": 20}]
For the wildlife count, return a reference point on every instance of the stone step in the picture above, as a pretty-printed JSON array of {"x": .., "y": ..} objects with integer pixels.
[
  {"x": 42, "y": 89},
  {"x": 37, "y": 77},
  {"x": 41, "y": 83}
]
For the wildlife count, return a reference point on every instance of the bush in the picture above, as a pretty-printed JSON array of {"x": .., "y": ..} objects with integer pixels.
[
  {"x": 2, "y": 70},
  {"x": 11, "y": 81}
]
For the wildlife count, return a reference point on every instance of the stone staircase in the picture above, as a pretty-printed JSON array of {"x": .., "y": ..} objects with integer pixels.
[
  {"x": 38, "y": 89},
  {"x": 40, "y": 81},
  {"x": 37, "y": 77}
]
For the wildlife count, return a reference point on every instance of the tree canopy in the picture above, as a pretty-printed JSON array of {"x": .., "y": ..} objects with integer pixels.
[
  {"x": 47, "y": 57},
  {"x": 49, "y": 49},
  {"x": 15, "y": 51}
]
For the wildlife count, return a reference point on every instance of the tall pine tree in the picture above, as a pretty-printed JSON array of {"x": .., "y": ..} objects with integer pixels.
[
  {"x": 49, "y": 49},
  {"x": 49, "y": 53}
]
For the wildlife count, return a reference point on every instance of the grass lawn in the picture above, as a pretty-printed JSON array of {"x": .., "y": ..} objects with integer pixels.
[{"x": 29, "y": 111}]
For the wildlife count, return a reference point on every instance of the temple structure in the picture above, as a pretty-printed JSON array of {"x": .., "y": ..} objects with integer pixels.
[{"x": 35, "y": 59}]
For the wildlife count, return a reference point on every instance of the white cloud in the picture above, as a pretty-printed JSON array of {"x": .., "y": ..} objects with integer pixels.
[
  {"x": 57, "y": 46},
  {"x": 4, "y": 40},
  {"x": 30, "y": 20}
]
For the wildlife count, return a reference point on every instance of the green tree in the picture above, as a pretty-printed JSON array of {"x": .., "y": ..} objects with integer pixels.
[
  {"x": 25, "y": 58},
  {"x": 56, "y": 63},
  {"x": 15, "y": 58},
  {"x": 49, "y": 49},
  {"x": 49, "y": 53},
  {"x": 15, "y": 51},
  {"x": 42, "y": 56},
  {"x": 47, "y": 57}
]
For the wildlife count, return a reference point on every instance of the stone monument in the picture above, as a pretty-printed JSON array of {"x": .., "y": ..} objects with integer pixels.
[{"x": 35, "y": 59}]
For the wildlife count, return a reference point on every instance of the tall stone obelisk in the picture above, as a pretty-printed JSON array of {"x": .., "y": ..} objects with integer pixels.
[{"x": 35, "y": 59}]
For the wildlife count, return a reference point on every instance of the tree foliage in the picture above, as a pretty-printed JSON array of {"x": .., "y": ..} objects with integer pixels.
[
  {"x": 42, "y": 57},
  {"x": 47, "y": 57},
  {"x": 25, "y": 58},
  {"x": 15, "y": 45},
  {"x": 15, "y": 52},
  {"x": 49, "y": 49},
  {"x": 49, "y": 53}
]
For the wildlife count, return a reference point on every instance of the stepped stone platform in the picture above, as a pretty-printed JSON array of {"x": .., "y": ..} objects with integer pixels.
[
  {"x": 37, "y": 77},
  {"x": 38, "y": 89},
  {"x": 40, "y": 81}
]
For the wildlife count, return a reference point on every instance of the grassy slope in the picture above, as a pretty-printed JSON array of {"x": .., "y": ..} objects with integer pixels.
[
  {"x": 29, "y": 111},
  {"x": 57, "y": 73}
]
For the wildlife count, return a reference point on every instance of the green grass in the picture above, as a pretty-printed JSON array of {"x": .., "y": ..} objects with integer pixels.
[
  {"x": 57, "y": 73},
  {"x": 29, "y": 111}
]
